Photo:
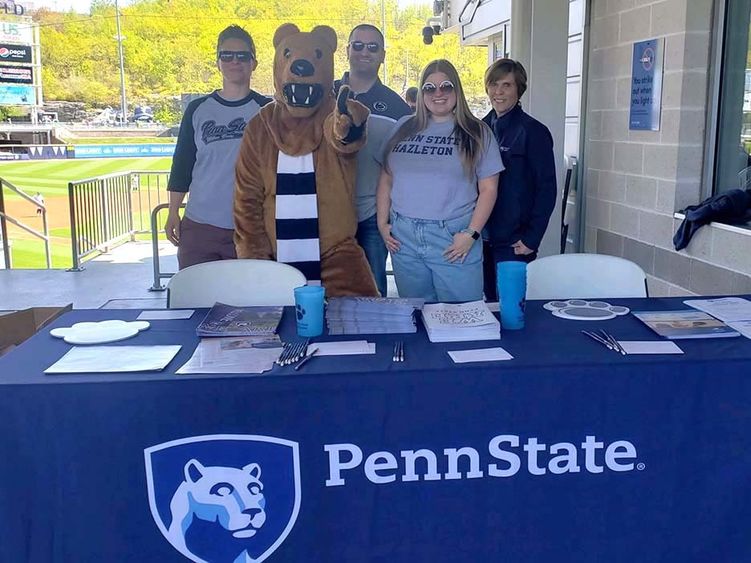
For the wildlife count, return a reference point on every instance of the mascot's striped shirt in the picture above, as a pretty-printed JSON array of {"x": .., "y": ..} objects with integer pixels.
[{"x": 297, "y": 238}]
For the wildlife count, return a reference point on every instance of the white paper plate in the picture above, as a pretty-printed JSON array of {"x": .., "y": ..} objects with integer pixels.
[{"x": 99, "y": 332}]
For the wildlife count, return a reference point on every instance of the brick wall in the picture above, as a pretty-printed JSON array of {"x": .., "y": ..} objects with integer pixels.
[{"x": 636, "y": 180}]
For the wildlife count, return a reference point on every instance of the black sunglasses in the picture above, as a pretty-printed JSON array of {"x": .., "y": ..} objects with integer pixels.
[
  {"x": 446, "y": 87},
  {"x": 359, "y": 46},
  {"x": 241, "y": 56}
]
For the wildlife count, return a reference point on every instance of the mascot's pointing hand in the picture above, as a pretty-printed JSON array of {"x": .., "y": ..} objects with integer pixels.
[{"x": 351, "y": 115}]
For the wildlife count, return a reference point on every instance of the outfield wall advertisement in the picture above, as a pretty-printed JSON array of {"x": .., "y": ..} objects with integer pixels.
[
  {"x": 110, "y": 151},
  {"x": 47, "y": 152}
]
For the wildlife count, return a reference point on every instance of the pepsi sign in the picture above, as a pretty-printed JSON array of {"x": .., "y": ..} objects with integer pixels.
[{"x": 15, "y": 53}]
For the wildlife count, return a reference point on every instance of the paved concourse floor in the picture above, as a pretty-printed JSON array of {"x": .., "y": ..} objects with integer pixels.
[{"x": 119, "y": 279}]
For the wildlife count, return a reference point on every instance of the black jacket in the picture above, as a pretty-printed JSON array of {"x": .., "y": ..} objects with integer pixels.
[
  {"x": 732, "y": 207},
  {"x": 527, "y": 187}
]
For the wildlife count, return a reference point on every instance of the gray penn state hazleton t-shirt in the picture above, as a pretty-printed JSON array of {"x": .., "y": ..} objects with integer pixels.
[
  {"x": 207, "y": 147},
  {"x": 429, "y": 181}
]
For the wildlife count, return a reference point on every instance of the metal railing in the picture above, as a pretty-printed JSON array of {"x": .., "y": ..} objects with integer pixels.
[
  {"x": 109, "y": 209},
  {"x": 155, "y": 230},
  {"x": 5, "y": 219},
  {"x": 569, "y": 204}
]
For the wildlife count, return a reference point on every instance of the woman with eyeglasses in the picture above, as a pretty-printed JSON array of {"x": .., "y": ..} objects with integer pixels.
[
  {"x": 438, "y": 185},
  {"x": 204, "y": 162}
]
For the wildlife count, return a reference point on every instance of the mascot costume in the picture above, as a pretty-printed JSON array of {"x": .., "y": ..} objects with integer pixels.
[{"x": 295, "y": 174}]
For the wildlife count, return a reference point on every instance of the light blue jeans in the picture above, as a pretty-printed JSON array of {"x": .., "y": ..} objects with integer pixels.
[
  {"x": 369, "y": 238},
  {"x": 421, "y": 270}
]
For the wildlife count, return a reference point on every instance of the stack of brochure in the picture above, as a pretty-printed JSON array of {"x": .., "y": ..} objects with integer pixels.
[
  {"x": 226, "y": 320},
  {"x": 685, "y": 323},
  {"x": 371, "y": 315},
  {"x": 460, "y": 322}
]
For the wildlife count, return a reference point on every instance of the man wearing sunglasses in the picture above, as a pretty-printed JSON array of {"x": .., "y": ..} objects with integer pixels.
[
  {"x": 204, "y": 162},
  {"x": 365, "y": 53}
]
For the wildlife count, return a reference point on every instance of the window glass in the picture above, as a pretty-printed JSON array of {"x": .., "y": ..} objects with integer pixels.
[{"x": 732, "y": 159}]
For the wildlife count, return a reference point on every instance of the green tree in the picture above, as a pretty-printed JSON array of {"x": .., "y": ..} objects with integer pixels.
[{"x": 169, "y": 46}]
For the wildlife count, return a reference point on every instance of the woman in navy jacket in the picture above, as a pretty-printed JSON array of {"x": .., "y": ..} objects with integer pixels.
[{"x": 527, "y": 187}]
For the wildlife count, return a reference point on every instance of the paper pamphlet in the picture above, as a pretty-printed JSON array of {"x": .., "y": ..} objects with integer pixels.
[
  {"x": 252, "y": 354},
  {"x": 165, "y": 314},
  {"x": 114, "y": 359},
  {"x": 685, "y": 323},
  {"x": 481, "y": 355},
  {"x": 226, "y": 320},
  {"x": 727, "y": 309},
  {"x": 650, "y": 347}
]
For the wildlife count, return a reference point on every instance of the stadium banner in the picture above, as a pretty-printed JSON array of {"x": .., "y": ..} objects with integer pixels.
[
  {"x": 17, "y": 95},
  {"x": 16, "y": 74},
  {"x": 15, "y": 53},
  {"x": 16, "y": 32},
  {"x": 47, "y": 152},
  {"x": 111, "y": 151}
]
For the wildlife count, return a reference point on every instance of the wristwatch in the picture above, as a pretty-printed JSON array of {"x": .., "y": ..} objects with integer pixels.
[{"x": 471, "y": 232}]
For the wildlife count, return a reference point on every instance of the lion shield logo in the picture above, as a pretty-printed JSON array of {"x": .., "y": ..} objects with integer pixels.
[{"x": 232, "y": 498}]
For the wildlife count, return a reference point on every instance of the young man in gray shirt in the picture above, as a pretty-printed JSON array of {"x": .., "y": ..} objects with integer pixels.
[
  {"x": 204, "y": 162},
  {"x": 365, "y": 52}
]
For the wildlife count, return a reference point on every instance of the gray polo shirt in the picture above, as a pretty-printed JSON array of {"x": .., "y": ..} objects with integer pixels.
[
  {"x": 429, "y": 181},
  {"x": 386, "y": 107},
  {"x": 207, "y": 146}
]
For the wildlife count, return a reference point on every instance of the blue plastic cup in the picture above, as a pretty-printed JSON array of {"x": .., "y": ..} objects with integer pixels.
[
  {"x": 512, "y": 292},
  {"x": 309, "y": 310}
]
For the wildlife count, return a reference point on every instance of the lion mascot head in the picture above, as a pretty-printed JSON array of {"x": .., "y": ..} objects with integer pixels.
[{"x": 303, "y": 68}]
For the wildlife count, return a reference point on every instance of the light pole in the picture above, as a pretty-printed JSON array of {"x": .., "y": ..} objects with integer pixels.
[
  {"x": 123, "y": 102},
  {"x": 383, "y": 30}
]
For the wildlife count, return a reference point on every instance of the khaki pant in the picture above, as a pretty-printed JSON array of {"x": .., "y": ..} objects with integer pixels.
[{"x": 204, "y": 243}]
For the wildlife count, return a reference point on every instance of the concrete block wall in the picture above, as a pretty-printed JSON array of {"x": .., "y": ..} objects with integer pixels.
[{"x": 636, "y": 180}]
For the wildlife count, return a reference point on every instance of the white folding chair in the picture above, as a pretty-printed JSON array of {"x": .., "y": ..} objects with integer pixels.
[
  {"x": 582, "y": 276},
  {"x": 241, "y": 283}
]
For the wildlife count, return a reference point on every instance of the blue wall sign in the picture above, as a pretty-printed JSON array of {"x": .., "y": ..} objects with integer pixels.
[
  {"x": 111, "y": 151},
  {"x": 17, "y": 95},
  {"x": 646, "y": 85}
]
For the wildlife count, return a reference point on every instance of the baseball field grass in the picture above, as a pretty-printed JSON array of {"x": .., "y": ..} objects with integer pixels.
[{"x": 50, "y": 179}]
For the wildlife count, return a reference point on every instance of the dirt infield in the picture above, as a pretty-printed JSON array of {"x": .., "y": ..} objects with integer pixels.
[
  {"x": 58, "y": 213},
  {"x": 58, "y": 217}
]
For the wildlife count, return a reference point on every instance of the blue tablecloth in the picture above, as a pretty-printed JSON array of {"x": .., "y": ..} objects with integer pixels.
[{"x": 569, "y": 452}]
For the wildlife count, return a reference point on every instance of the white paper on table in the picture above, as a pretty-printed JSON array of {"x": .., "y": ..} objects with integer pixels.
[
  {"x": 650, "y": 347},
  {"x": 744, "y": 327},
  {"x": 230, "y": 355},
  {"x": 481, "y": 355},
  {"x": 165, "y": 314},
  {"x": 114, "y": 359},
  {"x": 347, "y": 348},
  {"x": 494, "y": 306},
  {"x": 727, "y": 309}
]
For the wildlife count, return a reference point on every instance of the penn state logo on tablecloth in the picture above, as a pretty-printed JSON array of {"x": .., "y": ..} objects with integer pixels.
[{"x": 226, "y": 497}]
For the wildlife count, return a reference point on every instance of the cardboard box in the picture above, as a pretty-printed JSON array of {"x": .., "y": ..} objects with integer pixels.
[{"x": 17, "y": 326}]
